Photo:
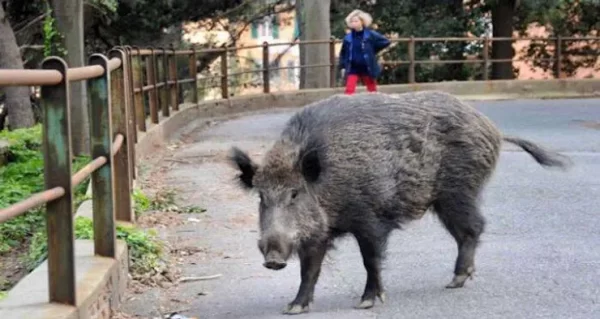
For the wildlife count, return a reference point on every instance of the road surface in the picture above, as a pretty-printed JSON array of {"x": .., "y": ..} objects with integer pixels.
[{"x": 539, "y": 257}]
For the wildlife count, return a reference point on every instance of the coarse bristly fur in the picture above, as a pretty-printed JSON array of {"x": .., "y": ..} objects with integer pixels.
[{"x": 366, "y": 164}]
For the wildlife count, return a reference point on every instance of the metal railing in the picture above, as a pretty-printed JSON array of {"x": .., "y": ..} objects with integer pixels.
[
  {"x": 126, "y": 89},
  {"x": 556, "y": 42},
  {"x": 557, "y": 58},
  {"x": 156, "y": 85},
  {"x": 111, "y": 169}
]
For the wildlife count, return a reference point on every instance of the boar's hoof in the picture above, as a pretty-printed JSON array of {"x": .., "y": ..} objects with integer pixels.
[
  {"x": 295, "y": 309},
  {"x": 275, "y": 265},
  {"x": 369, "y": 303},
  {"x": 459, "y": 280}
]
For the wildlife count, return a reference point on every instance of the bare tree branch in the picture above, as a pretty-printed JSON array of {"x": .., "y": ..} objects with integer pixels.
[
  {"x": 235, "y": 33},
  {"x": 20, "y": 29},
  {"x": 31, "y": 47},
  {"x": 286, "y": 50}
]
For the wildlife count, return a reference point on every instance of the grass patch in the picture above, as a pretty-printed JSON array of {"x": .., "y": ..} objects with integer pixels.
[
  {"x": 192, "y": 210},
  {"x": 141, "y": 202},
  {"x": 22, "y": 176},
  {"x": 145, "y": 249},
  {"x": 163, "y": 200}
]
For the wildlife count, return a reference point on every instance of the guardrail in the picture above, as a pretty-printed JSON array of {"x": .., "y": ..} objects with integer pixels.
[{"x": 111, "y": 167}]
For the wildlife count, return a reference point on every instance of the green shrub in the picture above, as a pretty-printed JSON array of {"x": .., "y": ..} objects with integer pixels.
[
  {"x": 164, "y": 200},
  {"x": 141, "y": 202},
  {"x": 22, "y": 176},
  {"x": 145, "y": 249}
]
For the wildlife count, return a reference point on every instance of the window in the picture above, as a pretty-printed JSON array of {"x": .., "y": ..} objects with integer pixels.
[{"x": 266, "y": 28}]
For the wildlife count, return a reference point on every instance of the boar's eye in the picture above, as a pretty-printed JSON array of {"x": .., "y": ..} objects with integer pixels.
[{"x": 294, "y": 193}]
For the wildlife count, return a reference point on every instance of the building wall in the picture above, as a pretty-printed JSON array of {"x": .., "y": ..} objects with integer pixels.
[
  {"x": 279, "y": 31},
  {"x": 528, "y": 72}
]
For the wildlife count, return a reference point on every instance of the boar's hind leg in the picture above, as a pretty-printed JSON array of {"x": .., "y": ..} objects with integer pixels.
[
  {"x": 461, "y": 216},
  {"x": 372, "y": 248},
  {"x": 311, "y": 258}
]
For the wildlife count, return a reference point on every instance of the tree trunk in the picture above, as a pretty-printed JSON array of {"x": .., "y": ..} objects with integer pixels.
[
  {"x": 17, "y": 98},
  {"x": 503, "y": 12},
  {"x": 302, "y": 48},
  {"x": 69, "y": 22},
  {"x": 317, "y": 27}
]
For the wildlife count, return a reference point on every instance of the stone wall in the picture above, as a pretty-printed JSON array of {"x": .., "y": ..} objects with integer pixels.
[
  {"x": 112, "y": 293},
  {"x": 101, "y": 285}
]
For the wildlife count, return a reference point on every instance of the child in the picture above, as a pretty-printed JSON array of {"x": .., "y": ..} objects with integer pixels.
[{"x": 358, "y": 53}]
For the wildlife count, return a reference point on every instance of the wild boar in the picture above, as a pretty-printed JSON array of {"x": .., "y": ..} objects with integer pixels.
[{"x": 367, "y": 164}]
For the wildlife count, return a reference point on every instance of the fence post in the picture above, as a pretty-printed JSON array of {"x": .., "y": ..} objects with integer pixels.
[
  {"x": 411, "y": 59},
  {"x": 224, "y": 75},
  {"x": 151, "y": 74},
  {"x": 140, "y": 111},
  {"x": 558, "y": 66},
  {"x": 332, "y": 79},
  {"x": 127, "y": 70},
  {"x": 164, "y": 77},
  {"x": 57, "y": 173},
  {"x": 266, "y": 78},
  {"x": 194, "y": 74},
  {"x": 161, "y": 83},
  {"x": 174, "y": 79},
  {"x": 122, "y": 159},
  {"x": 100, "y": 113},
  {"x": 486, "y": 58},
  {"x": 130, "y": 93}
]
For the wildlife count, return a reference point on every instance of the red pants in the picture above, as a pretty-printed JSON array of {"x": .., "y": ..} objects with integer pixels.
[{"x": 353, "y": 80}]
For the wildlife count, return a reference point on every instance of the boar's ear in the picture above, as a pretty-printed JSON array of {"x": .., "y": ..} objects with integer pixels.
[
  {"x": 310, "y": 165},
  {"x": 245, "y": 165}
]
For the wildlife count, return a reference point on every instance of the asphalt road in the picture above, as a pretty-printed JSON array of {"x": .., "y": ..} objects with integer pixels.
[{"x": 539, "y": 258}]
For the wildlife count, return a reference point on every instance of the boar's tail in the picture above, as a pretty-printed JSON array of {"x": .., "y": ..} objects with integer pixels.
[{"x": 541, "y": 155}]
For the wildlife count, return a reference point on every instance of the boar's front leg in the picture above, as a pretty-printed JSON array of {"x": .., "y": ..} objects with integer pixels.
[
  {"x": 311, "y": 258},
  {"x": 371, "y": 248}
]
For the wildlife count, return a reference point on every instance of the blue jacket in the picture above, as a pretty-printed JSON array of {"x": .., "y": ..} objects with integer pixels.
[{"x": 372, "y": 43}]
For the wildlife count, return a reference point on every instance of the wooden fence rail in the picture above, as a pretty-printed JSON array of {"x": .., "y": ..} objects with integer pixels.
[{"x": 128, "y": 90}]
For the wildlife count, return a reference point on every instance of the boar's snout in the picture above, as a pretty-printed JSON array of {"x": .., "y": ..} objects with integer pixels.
[
  {"x": 274, "y": 262},
  {"x": 276, "y": 250}
]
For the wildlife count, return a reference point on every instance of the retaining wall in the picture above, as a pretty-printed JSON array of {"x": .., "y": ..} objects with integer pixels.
[{"x": 190, "y": 114}]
